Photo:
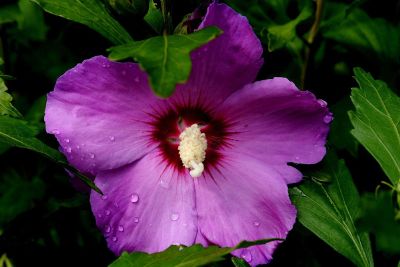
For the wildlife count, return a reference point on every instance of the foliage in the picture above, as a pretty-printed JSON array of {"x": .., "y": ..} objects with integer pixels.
[{"x": 317, "y": 44}]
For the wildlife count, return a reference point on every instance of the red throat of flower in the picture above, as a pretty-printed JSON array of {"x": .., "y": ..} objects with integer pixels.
[{"x": 190, "y": 138}]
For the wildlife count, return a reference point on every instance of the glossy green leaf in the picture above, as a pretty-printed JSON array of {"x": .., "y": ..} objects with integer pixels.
[
  {"x": 376, "y": 122},
  {"x": 238, "y": 262},
  {"x": 6, "y": 107},
  {"x": 17, "y": 194},
  {"x": 179, "y": 256},
  {"x": 91, "y": 13},
  {"x": 328, "y": 209},
  {"x": 378, "y": 217},
  {"x": 353, "y": 27},
  {"x": 19, "y": 133},
  {"x": 166, "y": 58}
]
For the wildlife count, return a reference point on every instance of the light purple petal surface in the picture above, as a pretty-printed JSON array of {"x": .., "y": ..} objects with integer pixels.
[
  {"x": 244, "y": 200},
  {"x": 97, "y": 113},
  {"x": 275, "y": 123},
  {"x": 146, "y": 206},
  {"x": 225, "y": 64}
]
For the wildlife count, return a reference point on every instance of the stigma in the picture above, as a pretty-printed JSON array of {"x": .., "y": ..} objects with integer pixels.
[{"x": 192, "y": 149}]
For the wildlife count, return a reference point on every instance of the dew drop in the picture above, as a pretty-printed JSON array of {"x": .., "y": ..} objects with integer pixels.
[
  {"x": 115, "y": 239},
  {"x": 120, "y": 228},
  {"x": 55, "y": 132},
  {"x": 164, "y": 184},
  {"x": 247, "y": 255},
  {"x": 78, "y": 147},
  {"x": 134, "y": 198},
  {"x": 108, "y": 228},
  {"x": 328, "y": 118},
  {"x": 68, "y": 149},
  {"x": 107, "y": 212},
  {"x": 297, "y": 158},
  {"x": 112, "y": 138},
  {"x": 136, "y": 219},
  {"x": 67, "y": 140},
  {"x": 174, "y": 216},
  {"x": 180, "y": 248},
  {"x": 256, "y": 224},
  {"x": 137, "y": 79},
  {"x": 100, "y": 216},
  {"x": 91, "y": 155},
  {"x": 322, "y": 103},
  {"x": 104, "y": 197}
]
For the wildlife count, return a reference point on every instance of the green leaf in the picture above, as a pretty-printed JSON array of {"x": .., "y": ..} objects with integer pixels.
[
  {"x": 378, "y": 217},
  {"x": 19, "y": 133},
  {"x": 166, "y": 59},
  {"x": 238, "y": 262},
  {"x": 280, "y": 35},
  {"x": 9, "y": 13},
  {"x": 6, "y": 108},
  {"x": 17, "y": 195},
  {"x": 328, "y": 209},
  {"x": 91, "y": 13},
  {"x": 31, "y": 21},
  {"x": 179, "y": 256},
  {"x": 353, "y": 27},
  {"x": 154, "y": 18},
  {"x": 376, "y": 122},
  {"x": 340, "y": 136}
]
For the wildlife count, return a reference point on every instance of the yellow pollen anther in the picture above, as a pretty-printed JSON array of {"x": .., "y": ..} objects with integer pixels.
[{"x": 192, "y": 149}]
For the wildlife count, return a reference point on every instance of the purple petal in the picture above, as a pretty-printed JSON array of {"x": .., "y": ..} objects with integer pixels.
[
  {"x": 276, "y": 123},
  {"x": 225, "y": 64},
  {"x": 96, "y": 112},
  {"x": 244, "y": 200},
  {"x": 146, "y": 206}
]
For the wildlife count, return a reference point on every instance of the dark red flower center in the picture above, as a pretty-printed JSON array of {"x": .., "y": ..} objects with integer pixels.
[{"x": 168, "y": 126}]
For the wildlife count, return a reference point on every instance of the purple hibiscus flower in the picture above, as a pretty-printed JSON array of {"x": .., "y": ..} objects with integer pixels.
[{"x": 207, "y": 165}]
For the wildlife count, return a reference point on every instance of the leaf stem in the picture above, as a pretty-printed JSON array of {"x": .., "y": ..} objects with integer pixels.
[{"x": 310, "y": 40}]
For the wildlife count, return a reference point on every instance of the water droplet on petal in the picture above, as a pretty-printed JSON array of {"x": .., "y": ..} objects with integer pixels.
[
  {"x": 104, "y": 197},
  {"x": 297, "y": 158},
  {"x": 108, "y": 229},
  {"x": 68, "y": 149},
  {"x": 107, "y": 212},
  {"x": 55, "y": 132},
  {"x": 120, "y": 228},
  {"x": 134, "y": 198},
  {"x": 115, "y": 239},
  {"x": 246, "y": 254},
  {"x": 174, "y": 216},
  {"x": 78, "y": 147},
  {"x": 100, "y": 216},
  {"x": 328, "y": 118},
  {"x": 164, "y": 184},
  {"x": 92, "y": 156},
  {"x": 67, "y": 140},
  {"x": 137, "y": 79},
  {"x": 136, "y": 219},
  {"x": 322, "y": 103},
  {"x": 112, "y": 138},
  {"x": 256, "y": 224}
]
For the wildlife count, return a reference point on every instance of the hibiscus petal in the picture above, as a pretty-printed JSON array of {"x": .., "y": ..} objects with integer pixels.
[
  {"x": 145, "y": 207},
  {"x": 276, "y": 123},
  {"x": 244, "y": 200},
  {"x": 96, "y": 112},
  {"x": 225, "y": 64}
]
